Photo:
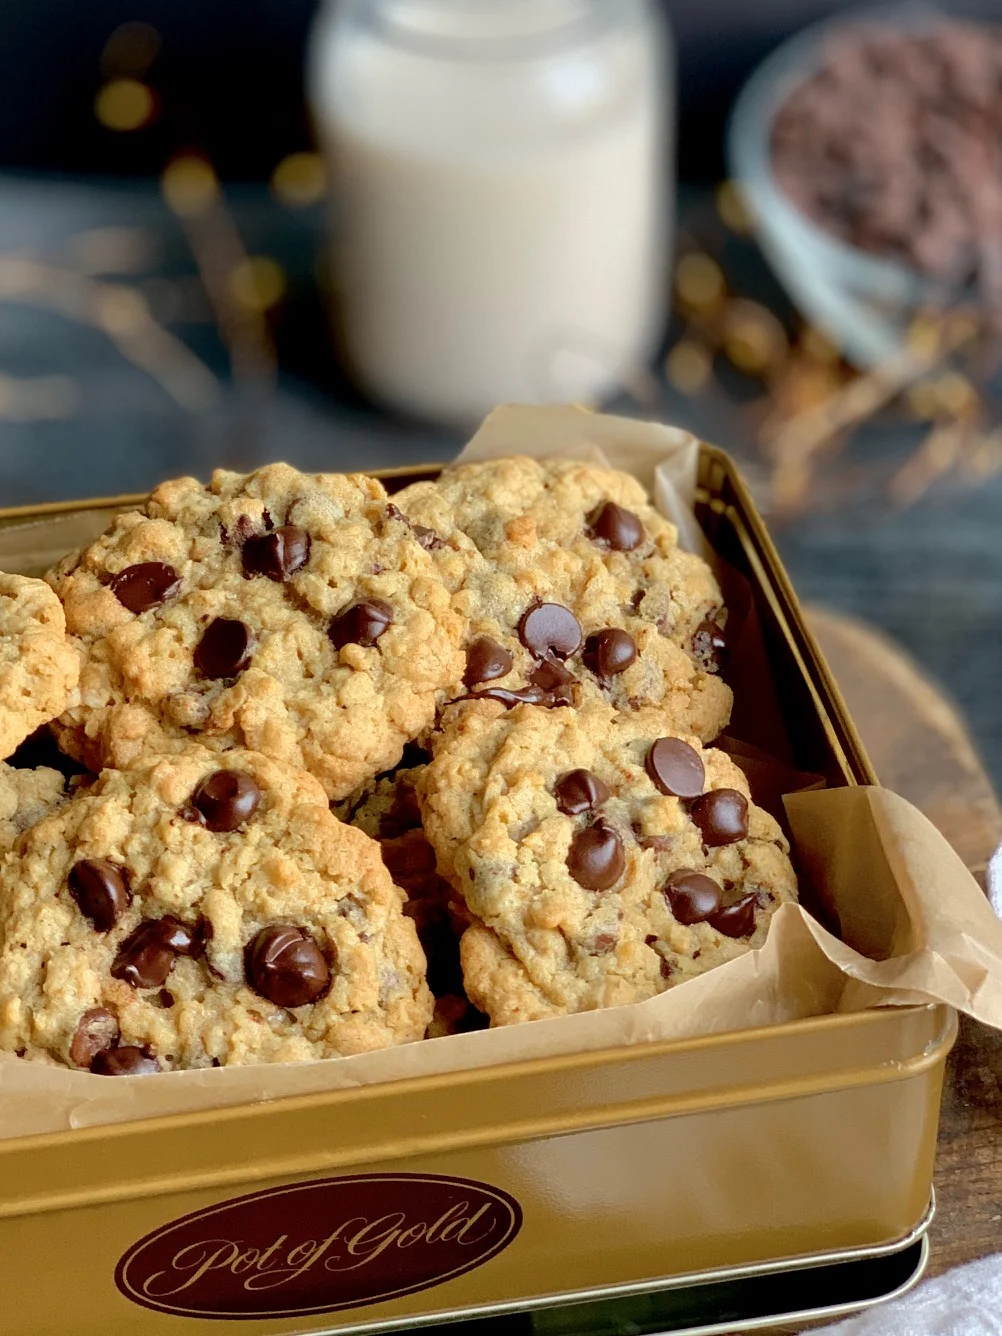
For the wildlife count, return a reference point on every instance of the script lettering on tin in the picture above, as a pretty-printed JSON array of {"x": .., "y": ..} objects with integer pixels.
[{"x": 352, "y": 1244}]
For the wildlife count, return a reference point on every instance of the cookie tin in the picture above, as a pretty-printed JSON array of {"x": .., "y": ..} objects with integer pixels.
[{"x": 666, "y": 1168}]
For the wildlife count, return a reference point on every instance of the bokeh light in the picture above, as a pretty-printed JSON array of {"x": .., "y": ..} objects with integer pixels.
[
  {"x": 257, "y": 282},
  {"x": 130, "y": 50},
  {"x": 299, "y": 180},
  {"x": 125, "y": 104},
  {"x": 190, "y": 185}
]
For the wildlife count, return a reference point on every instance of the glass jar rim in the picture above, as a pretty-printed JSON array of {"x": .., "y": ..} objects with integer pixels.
[{"x": 592, "y": 19}]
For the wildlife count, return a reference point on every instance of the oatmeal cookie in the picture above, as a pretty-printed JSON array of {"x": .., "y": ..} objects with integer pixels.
[
  {"x": 39, "y": 668},
  {"x": 26, "y": 796},
  {"x": 298, "y": 616},
  {"x": 199, "y": 911},
  {"x": 603, "y": 861},
  {"x": 576, "y": 591}
]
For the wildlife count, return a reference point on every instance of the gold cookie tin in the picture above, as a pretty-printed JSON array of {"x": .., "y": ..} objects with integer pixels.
[{"x": 513, "y": 1188}]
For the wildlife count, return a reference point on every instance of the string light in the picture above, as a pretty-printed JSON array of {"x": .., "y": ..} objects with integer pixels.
[
  {"x": 257, "y": 282},
  {"x": 190, "y": 185},
  {"x": 125, "y": 104},
  {"x": 299, "y": 180}
]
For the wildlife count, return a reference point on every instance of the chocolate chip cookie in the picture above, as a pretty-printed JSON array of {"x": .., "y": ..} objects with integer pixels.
[
  {"x": 39, "y": 668},
  {"x": 576, "y": 591},
  {"x": 602, "y": 860},
  {"x": 200, "y": 911},
  {"x": 26, "y": 796},
  {"x": 299, "y": 616}
]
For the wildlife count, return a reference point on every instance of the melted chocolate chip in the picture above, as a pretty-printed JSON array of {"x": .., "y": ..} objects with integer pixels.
[
  {"x": 285, "y": 965},
  {"x": 596, "y": 858},
  {"x": 508, "y": 698},
  {"x": 225, "y": 648},
  {"x": 738, "y": 919},
  {"x": 127, "y": 1061},
  {"x": 692, "y": 897},
  {"x": 101, "y": 890},
  {"x": 550, "y": 629},
  {"x": 676, "y": 768},
  {"x": 147, "y": 955},
  {"x": 709, "y": 648},
  {"x": 428, "y": 538},
  {"x": 579, "y": 791},
  {"x": 145, "y": 586},
  {"x": 277, "y": 555},
  {"x": 226, "y": 799},
  {"x": 721, "y": 815},
  {"x": 361, "y": 623},
  {"x": 552, "y": 677},
  {"x": 96, "y": 1031},
  {"x": 486, "y": 660},
  {"x": 618, "y": 527},
  {"x": 609, "y": 652},
  {"x": 604, "y": 943}
]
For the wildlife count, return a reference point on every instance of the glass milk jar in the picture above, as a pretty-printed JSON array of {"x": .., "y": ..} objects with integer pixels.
[{"x": 500, "y": 196}]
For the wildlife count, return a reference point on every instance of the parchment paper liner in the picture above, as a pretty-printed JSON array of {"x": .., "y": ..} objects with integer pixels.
[{"x": 915, "y": 926}]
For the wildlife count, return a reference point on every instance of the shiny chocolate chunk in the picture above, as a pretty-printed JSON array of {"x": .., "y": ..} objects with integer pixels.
[
  {"x": 676, "y": 768},
  {"x": 692, "y": 897},
  {"x": 183, "y": 938},
  {"x": 145, "y": 586},
  {"x": 609, "y": 652},
  {"x": 225, "y": 648},
  {"x": 277, "y": 555},
  {"x": 738, "y": 919},
  {"x": 617, "y": 526},
  {"x": 521, "y": 696},
  {"x": 101, "y": 890},
  {"x": 361, "y": 623},
  {"x": 127, "y": 1061},
  {"x": 709, "y": 648},
  {"x": 579, "y": 791},
  {"x": 557, "y": 681},
  {"x": 485, "y": 660},
  {"x": 285, "y": 965},
  {"x": 226, "y": 799},
  {"x": 147, "y": 955},
  {"x": 96, "y": 1031},
  {"x": 722, "y": 816},
  {"x": 550, "y": 629},
  {"x": 596, "y": 858}
]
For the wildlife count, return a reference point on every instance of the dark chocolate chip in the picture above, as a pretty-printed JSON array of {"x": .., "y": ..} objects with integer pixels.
[
  {"x": 550, "y": 629},
  {"x": 361, "y": 623},
  {"x": 147, "y": 955},
  {"x": 618, "y": 527},
  {"x": 277, "y": 555},
  {"x": 226, "y": 799},
  {"x": 285, "y": 965},
  {"x": 183, "y": 939},
  {"x": 738, "y": 919},
  {"x": 609, "y": 652},
  {"x": 520, "y": 696},
  {"x": 145, "y": 586},
  {"x": 676, "y": 768},
  {"x": 486, "y": 660},
  {"x": 596, "y": 859},
  {"x": 127, "y": 1061},
  {"x": 579, "y": 791},
  {"x": 604, "y": 943},
  {"x": 225, "y": 648},
  {"x": 721, "y": 815},
  {"x": 709, "y": 648},
  {"x": 96, "y": 1031},
  {"x": 692, "y": 897},
  {"x": 556, "y": 680},
  {"x": 101, "y": 890},
  {"x": 427, "y": 538}
]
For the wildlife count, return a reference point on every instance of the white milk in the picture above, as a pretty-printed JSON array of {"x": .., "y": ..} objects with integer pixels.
[{"x": 500, "y": 196}]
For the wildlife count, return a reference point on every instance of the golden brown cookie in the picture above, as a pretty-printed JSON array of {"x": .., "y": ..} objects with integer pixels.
[
  {"x": 201, "y": 910},
  {"x": 603, "y": 862},
  {"x": 39, "y": 668}
]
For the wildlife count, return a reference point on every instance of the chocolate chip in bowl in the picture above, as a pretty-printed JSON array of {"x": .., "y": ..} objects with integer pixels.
[{"x": 863, "y": 148}]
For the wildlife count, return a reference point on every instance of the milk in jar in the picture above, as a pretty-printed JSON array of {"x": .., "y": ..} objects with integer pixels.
[{"x": 500, "y": 196}]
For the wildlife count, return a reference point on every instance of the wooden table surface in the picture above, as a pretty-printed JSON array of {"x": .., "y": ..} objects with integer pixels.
[{"x": 919, "y": 747}]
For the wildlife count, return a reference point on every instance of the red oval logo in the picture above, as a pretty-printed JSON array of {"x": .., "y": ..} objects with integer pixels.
[{"x": 319, "y": 1246}]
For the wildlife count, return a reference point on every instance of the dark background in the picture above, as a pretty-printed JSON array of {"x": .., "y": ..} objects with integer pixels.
[{"x": 231, "y": 76}]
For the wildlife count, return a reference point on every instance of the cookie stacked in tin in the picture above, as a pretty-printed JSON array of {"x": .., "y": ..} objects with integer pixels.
[{"x": 339, "y": 746}]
